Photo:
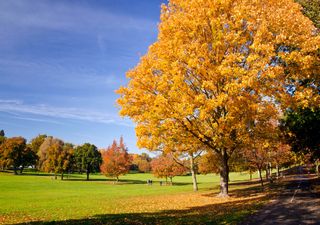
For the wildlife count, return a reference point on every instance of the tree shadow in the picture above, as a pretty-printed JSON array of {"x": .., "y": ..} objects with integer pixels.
[
  {"x": 221, "y": 213},
  {"x": 30, "y": 174},
  {"x": 241, "y": 182},
  {"x": 226, "y": 212}
]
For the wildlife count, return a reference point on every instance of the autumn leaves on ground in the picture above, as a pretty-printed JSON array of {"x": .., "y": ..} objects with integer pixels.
[{"x": 36, "y": 197}]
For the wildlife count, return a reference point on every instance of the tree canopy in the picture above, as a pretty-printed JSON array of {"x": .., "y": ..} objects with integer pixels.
[
  {"x": 15, "y": 153},
  {"x": 88, "y": 158},
  {"x": 116, "y": 160},
  {"x": 164, "y": 166},
  {"x": 212, "y": 60},
  {"x": 302, "y": 130}
]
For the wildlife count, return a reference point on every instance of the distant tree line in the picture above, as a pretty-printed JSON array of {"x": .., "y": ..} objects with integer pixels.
[{"x": 52, "y": 155}]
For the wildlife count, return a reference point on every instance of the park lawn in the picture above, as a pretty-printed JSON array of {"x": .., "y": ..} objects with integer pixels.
[{"x": 37, "y": 197}]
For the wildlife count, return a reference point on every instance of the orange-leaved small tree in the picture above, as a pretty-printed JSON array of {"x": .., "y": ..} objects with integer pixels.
[
  {"x": 166, "y": 167},
  {"x": 115, "y": 160}
]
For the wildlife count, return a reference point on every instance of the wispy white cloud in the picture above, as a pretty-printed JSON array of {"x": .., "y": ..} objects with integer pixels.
[
  {"x": 10, "y": 101},
  {"x": 56, "y": 74},
  {"x": 37, "y": 119},
  {"x": 16, "y": 106},
  {"x": 67, "y": 16}
]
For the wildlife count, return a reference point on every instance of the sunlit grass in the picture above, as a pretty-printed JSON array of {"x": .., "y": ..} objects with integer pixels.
[{"x": 37, "y": 197}]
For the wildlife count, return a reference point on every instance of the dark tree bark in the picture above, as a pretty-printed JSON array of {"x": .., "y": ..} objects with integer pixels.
[
  {"x": 224, "y": 175},
  {"x": 260, "y": 175},
  {"x": 267, "y": 173},
  {"x": 88, "y": 172},
  {"x": 21, "y": 169},
  {"x": 15, "y": 170}
]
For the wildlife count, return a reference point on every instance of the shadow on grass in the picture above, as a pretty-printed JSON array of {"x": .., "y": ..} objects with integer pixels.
[
  {"x": 126, "y": 181},
  {"x": 225, "y": 213},
  {"x": 242, "y": 182},
  {"x": 26, "y": 173},
  {"x": 230, "y": 212}
]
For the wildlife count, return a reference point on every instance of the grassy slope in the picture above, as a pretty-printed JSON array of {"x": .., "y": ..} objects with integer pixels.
[{"x": 39, "y": 198}]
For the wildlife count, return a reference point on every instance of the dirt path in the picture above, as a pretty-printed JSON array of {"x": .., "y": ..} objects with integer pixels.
[{"x": 299, "y": 203}]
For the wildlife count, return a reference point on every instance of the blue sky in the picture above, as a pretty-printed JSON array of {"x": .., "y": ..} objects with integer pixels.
[{"x": 62, "y": 60}]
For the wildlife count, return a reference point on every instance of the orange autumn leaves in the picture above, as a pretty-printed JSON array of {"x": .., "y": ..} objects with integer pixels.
[
  {"x": 116, "y": 160},
  {"x": 166, "y": 167}
]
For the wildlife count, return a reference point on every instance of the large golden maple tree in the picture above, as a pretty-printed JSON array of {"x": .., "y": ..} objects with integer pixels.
[{"x": 214, "y": 63}]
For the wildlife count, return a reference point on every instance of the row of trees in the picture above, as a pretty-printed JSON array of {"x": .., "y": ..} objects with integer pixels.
[
  {"x": 221, "y": 77},
  {"x": 50, "y": 154}
]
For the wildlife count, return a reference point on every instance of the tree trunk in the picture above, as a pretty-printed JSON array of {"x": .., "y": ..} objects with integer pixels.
[
  {"x": 21, "y": 169},
  {"x": 317, "y": 167},
  {"x": 170, "y": 180},
  {"x": 250, "y": 175},
  {"x": 15, "y": 170},
  {"x": 267, "y": 173},
  {"x": 260, "y": 175},
  {"x": 166, "y": 180},
  {"x": 88, "y": 172},
  {"x": 270, "y": 170},
  {"x": 278, "y": 171},
  {"x": 117, "y": 179},
  {"x": 55, "y": 176},
  {"x": 61, "y": 176},
  {"x": 224, "y": 175},
  {"x": 193, "y": 173}
]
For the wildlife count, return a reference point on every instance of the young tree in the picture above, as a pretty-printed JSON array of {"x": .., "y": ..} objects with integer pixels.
[
  {"x": 281, "y": 156},
  {"x": 142, "y": 162},
  {"x": 88, "y": 158},
  {"x": 212, "y": 60},
  {"x": 116, "y": 160},
  {"x": 209, "y": 163},
  {"x": 183, "y": 149},
  {"x": 2, "y": 139},
  {"x": 166, "y": 167},
  {"x": 15, "y": 153},
  {"x": 55, "y": 156},
  {"x": 35, "y": 144}
]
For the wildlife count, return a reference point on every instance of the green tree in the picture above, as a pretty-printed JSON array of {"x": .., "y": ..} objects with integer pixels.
[
  {"x": 88, "y": 158},
  {"x": 2, "y": 139},
  {"x": 311, "y": 9},
  {"x": 2, "y": 136},
  {"x": 302, "y": 130}
]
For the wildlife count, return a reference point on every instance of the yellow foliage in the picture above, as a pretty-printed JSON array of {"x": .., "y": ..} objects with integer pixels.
[{"x": 216, "y": 66}]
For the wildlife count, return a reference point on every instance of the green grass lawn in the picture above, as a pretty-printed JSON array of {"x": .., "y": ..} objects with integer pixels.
[{"x": 38, "y": 197}]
